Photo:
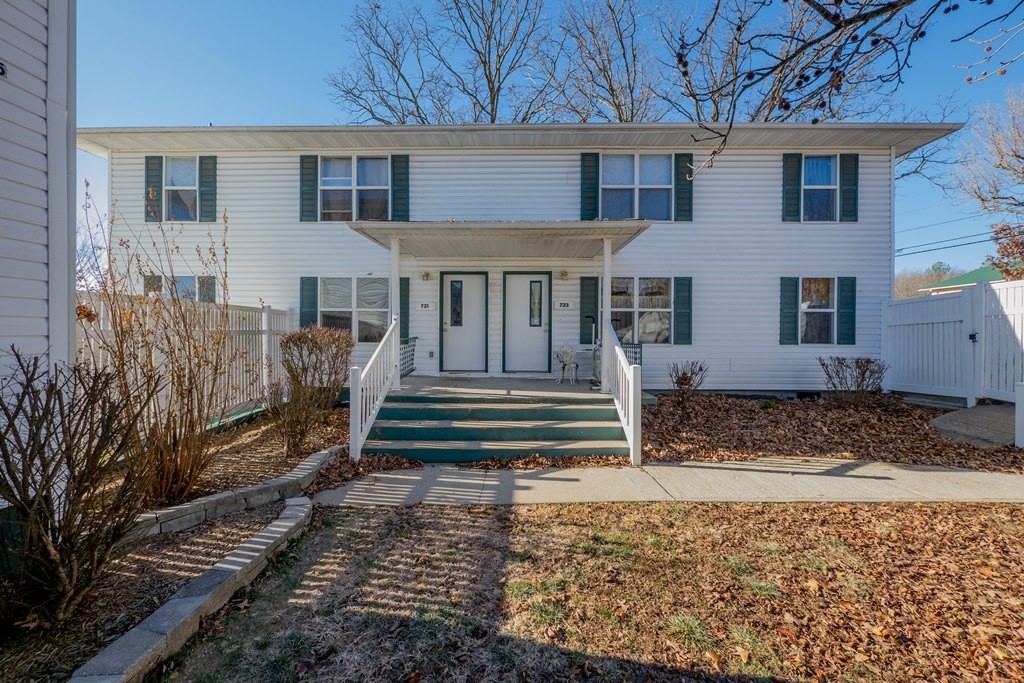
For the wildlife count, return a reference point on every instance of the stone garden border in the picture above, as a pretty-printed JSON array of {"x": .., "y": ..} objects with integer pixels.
[
  {"x": 186, "y": 515},
  {"x": 164, "y": 632}
]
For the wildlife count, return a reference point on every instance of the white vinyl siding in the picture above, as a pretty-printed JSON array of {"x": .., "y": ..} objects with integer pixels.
[
  {"x": 36, "y": 179},
  {"x": 735, "y": 249}
]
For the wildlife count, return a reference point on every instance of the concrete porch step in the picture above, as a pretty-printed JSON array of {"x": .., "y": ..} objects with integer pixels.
[
  {"x": 512, "y": 428},
  {"x": 500, "y": 397},
  {"x": 469, "y": 451},
  {"x": 442, "y": 410}
]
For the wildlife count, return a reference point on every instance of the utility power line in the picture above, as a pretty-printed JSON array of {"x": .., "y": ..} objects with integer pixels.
[
  {"x": 951, "y": 246},
  {"x": 932, "y": 225},
  {"x": 951, "y": 239}
]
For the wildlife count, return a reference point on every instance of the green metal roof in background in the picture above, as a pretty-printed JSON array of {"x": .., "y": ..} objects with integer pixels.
[{"x": 983, "y": 274}]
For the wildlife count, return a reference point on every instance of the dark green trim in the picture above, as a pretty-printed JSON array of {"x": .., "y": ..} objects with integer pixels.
[
  {"x": 792, "y": 179},
  {"x": 682, "y": 310},
  {"x": 590, "y": 186},
  {"x": 153, "y": 284},
  {"x": 309, "y": 306},
  {"x": 206, "y": 289},
  {"x": 154, "y": 185},
  {"x": 403, "y": 307},
  {"x": 590, "y": 305},
  {"x": 789, "y": 311},
  {"x": 207, "y": 189},
  {"x": 683, "y": 187},
  {"x": 849, "y": 176},
  {"x": 504, "y": 310},
  {"x": 846, "y": 311},
  {"x": 440, "y": 316},
  {"x": 309, "y": 182},
  {"x": 399, "y": 187}
]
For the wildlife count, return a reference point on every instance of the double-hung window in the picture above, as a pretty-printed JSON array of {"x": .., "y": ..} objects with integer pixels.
[
  {"x": 636, "y": 186},
  {"x": 642, "y": 309},
  {"x": 184, "y": 287},
  {"x": 817, "y": 310},
  {"x": 354, "y": 188},
  {"x": 820, "y": 192},
  {"x": 359, "y": 305},
  {"x": 181, "y": 189}
]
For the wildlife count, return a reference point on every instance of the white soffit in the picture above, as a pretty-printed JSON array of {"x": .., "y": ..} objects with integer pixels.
[
  {"x": 509, "y": 239},
  {"x": 904, "y": 137}
]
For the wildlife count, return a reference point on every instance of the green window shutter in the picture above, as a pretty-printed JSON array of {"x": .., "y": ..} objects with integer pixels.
[
  {"x": 682, "y": 310},
  {"x": 152, "y": 284},
  {"x": 792, "y": 175},
  {"x": 684, "y": 187},
  {"x": 399, "y": 187},
  {"x": 308, "y": 301},
  {"x": 154, "y": 198},
  {"x": 589, "y": 308},
  {"x": 207, "y": 189},
  {"x": 849, "y": 172},
  {"x": 207, "y": 289},
  {"x": 403, "y": 307},
  {"x": 309, "y": 180},
  {"x": 846, "y": 326},
  {"x": 789, "y": 310},
  {"x": 590, "y": 186}
]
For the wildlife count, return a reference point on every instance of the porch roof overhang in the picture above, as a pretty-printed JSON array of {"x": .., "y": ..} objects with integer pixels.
[{"x": 502, "y": 239}]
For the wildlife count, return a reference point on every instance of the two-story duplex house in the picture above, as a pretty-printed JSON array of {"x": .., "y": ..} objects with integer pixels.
[{"x": 498, "y": 244}]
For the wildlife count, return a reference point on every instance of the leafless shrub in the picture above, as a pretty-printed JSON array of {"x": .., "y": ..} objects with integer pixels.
[
  {"x": 153, "y": 320},
  {"x": 687, "y": 377},
  {"x": 74, "y": 469},
  {"x": 853, "y": 380},
  {"x": 316, "y": 362}
]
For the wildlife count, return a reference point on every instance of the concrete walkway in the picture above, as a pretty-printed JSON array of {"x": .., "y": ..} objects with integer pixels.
[
  {"x": 981, "y": 426},
  {"x": 767, "y": 480}
]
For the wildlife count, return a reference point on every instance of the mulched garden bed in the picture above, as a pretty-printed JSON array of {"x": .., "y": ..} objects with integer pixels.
[
  {"x": 721, "y": 428},
  {"x": 143, "y": 578},
  {"x": 252, "y": 453},
  {"x": 634, "y": 591}
]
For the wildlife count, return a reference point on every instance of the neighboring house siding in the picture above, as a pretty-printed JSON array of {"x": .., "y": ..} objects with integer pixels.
[
  {"x": 735, "y": 249},
  {"x": 36, "y": 146}
]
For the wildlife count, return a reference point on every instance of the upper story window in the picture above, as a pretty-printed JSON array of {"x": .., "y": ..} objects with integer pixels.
[
  {"x": 820, "y": 188},
  {"x": 181, "y": 189},
  {"x": 363, "y": 195},
  {"x": 636, "y": 186}
]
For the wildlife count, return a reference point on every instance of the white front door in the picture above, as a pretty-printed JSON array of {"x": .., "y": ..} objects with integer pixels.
[
  {"x": 464, "y": 322},
  {"x": 527, "y": 320}
]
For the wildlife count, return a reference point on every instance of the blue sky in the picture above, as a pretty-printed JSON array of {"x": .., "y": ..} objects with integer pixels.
[{"x": 195, "y": 62}]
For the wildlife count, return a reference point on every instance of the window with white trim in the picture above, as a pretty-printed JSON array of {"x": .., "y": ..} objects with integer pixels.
[
  {"x": 364, "y": 195},
  {"x": 359, "y": 305},
  {"x": 820, "y": 191},
  {"x": 186, "y": 287},
  {"x": 181, "y": 189},
  {"x": 642, "y": 309},
  {"x": 817, "y": 310},
  {"x": 636, "y": 186}
]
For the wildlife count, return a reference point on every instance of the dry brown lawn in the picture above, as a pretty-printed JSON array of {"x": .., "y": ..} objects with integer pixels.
[{"x": 635, "y": 592}]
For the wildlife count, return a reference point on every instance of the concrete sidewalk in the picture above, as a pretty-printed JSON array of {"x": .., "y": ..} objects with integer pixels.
[{"x": 764, "y": 480}]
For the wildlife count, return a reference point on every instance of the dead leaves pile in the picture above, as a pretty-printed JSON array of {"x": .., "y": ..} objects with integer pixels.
[
  {"x": 720, "y": 428},
  {"x": 539, "y": 462},
  {"x": 343, "y": 470}
]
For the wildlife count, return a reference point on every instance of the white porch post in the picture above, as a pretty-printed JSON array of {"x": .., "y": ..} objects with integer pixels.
[
  {"x": 606, "y": 317},
  {"x": 396, "y": 307}
]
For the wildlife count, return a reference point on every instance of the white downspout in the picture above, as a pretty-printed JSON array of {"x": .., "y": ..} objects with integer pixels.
[
  {"x": 396, "y": 306},
  {"x": 606, "y": 317}
]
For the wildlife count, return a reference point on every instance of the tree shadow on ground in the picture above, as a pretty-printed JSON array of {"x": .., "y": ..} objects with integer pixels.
[{"x": 406, "y": 594}]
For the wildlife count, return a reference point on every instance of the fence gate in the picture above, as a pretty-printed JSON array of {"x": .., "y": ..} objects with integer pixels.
[{"x": 967, "y": 344}]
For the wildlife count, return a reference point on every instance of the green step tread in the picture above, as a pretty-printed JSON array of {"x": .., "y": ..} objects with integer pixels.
[
  {"x": 492, "y": 424},
  {"x": 467, "y": 451}
]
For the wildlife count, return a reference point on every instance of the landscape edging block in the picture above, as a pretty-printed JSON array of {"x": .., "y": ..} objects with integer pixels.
[{"x": 161, "y": 634}]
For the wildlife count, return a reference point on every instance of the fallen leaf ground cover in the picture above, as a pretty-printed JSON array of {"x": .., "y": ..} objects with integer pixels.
[
  {"x": 148, "y": 572},
  {"x": 887, "y": 429},
  {"x": 650, "y": 591}
]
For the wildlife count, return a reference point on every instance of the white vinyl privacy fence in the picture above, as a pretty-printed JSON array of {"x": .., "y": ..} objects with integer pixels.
[
  {"x": 967, "y": 344},
  {"x": 253, "y": 346}
]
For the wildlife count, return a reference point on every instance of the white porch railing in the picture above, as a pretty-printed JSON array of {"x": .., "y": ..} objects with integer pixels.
[
  {"x": 623, "y": 380},
  {"x": 370, "y": 386}
]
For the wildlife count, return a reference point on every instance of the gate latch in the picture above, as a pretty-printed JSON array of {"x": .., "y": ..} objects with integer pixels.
[{"x": 973, "y": 336}]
